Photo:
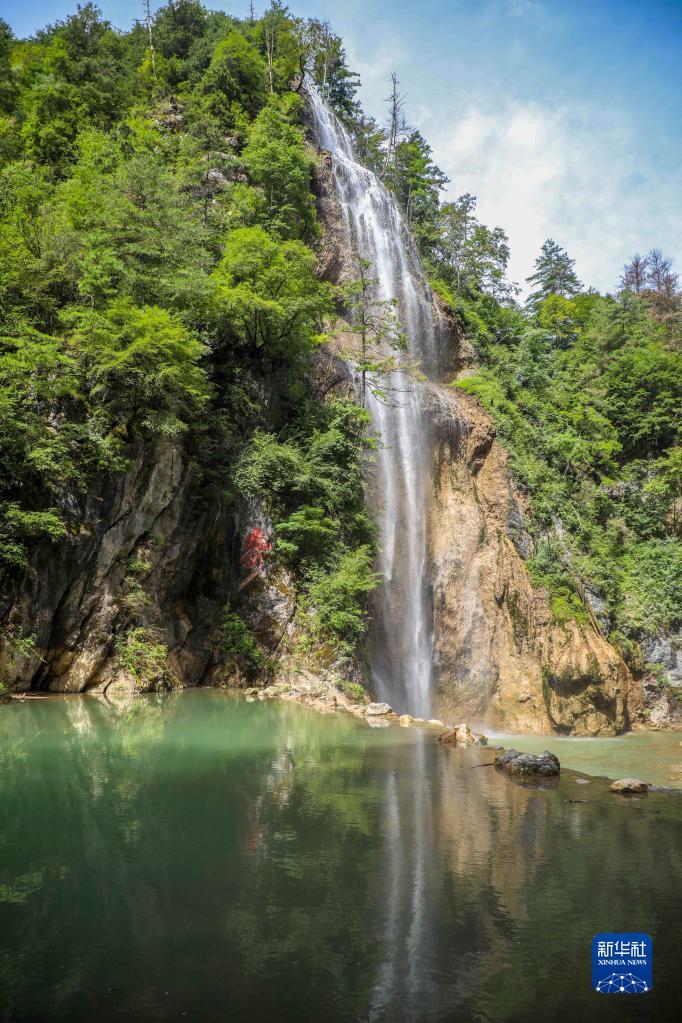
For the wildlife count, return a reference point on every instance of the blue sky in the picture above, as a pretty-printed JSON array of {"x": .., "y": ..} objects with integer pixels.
[{"x": 561, "y": 116}]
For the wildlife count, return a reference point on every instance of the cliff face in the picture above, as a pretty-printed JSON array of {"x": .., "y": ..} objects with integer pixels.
[
  {"x": 501, "y": 658},
  {"x": 140, "y": 544},
  {"x": 143, "y": 548}
]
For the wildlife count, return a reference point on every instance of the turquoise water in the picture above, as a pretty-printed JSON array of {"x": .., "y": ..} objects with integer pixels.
[
  {"x": 199, "y": 857},
  {"x": 655, "y": 757}
]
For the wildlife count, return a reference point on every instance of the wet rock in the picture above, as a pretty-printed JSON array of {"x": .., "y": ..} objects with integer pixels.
[
  {"x": 405, "y": 720},
  {"x": 661, "y": 703},
  {"x": 666, "y": 651},
  {"x": 374, "y": 710},
  {"x": 625, "y": 785},
  {"x": 523, "y": 765},
  {"x": 435, "y": 723},
  {"x": 462, "y": 735}
]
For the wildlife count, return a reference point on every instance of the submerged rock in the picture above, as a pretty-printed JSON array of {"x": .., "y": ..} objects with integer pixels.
[
  {"x": 377, "y": 710},
  {"x": 629, "y": 785},
  {"x": 461, "y": 735},
  {"x": 524, "y": 765}
]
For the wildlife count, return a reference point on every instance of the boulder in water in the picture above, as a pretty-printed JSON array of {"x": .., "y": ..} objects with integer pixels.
[
  {"x": 461, "y": 735},
  {"x": 629, "y": 785},
  {"x": 405, "y": 720},
  {"x": 377, "y": 710},
  {"x": 526, "y": 765}
]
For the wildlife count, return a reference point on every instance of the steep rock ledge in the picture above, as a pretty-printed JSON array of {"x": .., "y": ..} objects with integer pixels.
[
  {"x": 501, "y": 659},
  {"x": 74, "y": 600}
]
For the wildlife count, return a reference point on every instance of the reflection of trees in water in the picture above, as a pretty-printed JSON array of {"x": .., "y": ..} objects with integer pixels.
[
  {"x": 295, "y": 867},
  {"x": 511, "y": 882},
  {"x": 137, "y": 827}
]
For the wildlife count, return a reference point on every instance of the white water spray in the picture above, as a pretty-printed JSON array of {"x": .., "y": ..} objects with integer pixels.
[{"x": 401, "y": 640}]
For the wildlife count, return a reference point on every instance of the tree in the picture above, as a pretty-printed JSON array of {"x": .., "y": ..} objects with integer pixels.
[
  {"x": 417, "y": 183},
  {"x": 467, "y": 255},
  {"x": 143, "y": 366},
  {"x": 396, "y": 127},
  {"x": 663, "y": 292},
  {"x": 268, "y": 296},
  {"x": 235, "y": 82},
  {"x": 653, "y": 279},
  {"x": 8, "y": 84},
  {"x": 554, "y": 275},
  {"x": 376, "y": 335},
  {"x": 284, "y": 53},
  {"x": 81, "y": 79},
  {"x": 325, "y": 62},
  {"x": 634, "y": 276},
  {"x": 281, "y": 165}
]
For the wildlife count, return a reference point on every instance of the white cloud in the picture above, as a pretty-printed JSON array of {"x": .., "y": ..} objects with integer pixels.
[{"x": 571, "y": 173}]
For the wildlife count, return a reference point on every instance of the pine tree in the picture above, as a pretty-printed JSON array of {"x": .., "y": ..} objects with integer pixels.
[{"x": 554, "y": 275}]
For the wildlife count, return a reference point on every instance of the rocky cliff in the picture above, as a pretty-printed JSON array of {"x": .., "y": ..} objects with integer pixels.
[
  {"x": 502, "y": 659},
  {"x": 145, "y": 549},
  {"x": 141, "y": 547}
]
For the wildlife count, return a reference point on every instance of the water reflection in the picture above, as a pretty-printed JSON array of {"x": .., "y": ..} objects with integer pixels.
[{"x": 196, "y": 854}]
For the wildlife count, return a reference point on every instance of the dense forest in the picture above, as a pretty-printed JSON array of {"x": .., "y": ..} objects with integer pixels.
[{"x": 158, "y": 278}]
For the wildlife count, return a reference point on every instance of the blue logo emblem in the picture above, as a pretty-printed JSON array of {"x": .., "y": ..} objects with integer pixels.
[{"x": 622, "y": 964}]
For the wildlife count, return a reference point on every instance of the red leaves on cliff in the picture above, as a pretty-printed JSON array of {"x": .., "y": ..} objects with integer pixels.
[{"x": 256, "y": 548}]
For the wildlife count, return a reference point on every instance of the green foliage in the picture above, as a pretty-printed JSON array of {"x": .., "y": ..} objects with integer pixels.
[
  {"x": 141, "y": 364},
  {"x": 652, "y": 585},
  {"x": 353, "y": 690},
  {"x": 145, "y": 659},
  {"x": 268, "y": 297},
  {"x": 238, "y": 645},
  {"x": 20, "y": 646},
  {"x": 554, "y": 276},
  {"x": 311, "y": 483},
  {"x": 417, "y": 183},
  {"x": 586, "y": 397},
  {"x": 337, "y": 598},
  {"x": 235, "y": 83},
  {"x": 280, "y": 164},
  {"x": 466, "y": 256}
]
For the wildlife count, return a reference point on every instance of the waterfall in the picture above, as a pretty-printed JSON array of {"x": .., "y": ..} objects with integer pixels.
[{"x": 401, "y": 635}]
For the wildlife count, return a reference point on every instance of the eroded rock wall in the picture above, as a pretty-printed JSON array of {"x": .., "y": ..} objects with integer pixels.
[
  {"x": 501, "y": 659},
  {"x": 141, "y": 549}
]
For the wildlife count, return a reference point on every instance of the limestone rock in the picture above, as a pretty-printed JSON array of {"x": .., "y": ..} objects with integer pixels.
[
  {"x": 629, "y": 785},
  {"x": 501, "y": 657},
  {"x": 462, "y": 735},
  {"x": 666, "y": 651},
  {"x": 524, "y": 765},
  {"x": 377, "y": 710},
  {"x": 405, "y": 720}
]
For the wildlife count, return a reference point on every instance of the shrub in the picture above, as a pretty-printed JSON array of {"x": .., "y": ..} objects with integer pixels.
[
  {"x": 238, "y": 644},
  {"x": 145, "y": 659}
]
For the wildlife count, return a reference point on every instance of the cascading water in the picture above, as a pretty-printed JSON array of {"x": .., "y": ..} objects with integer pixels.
[{"x": 401, "y": 641}]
